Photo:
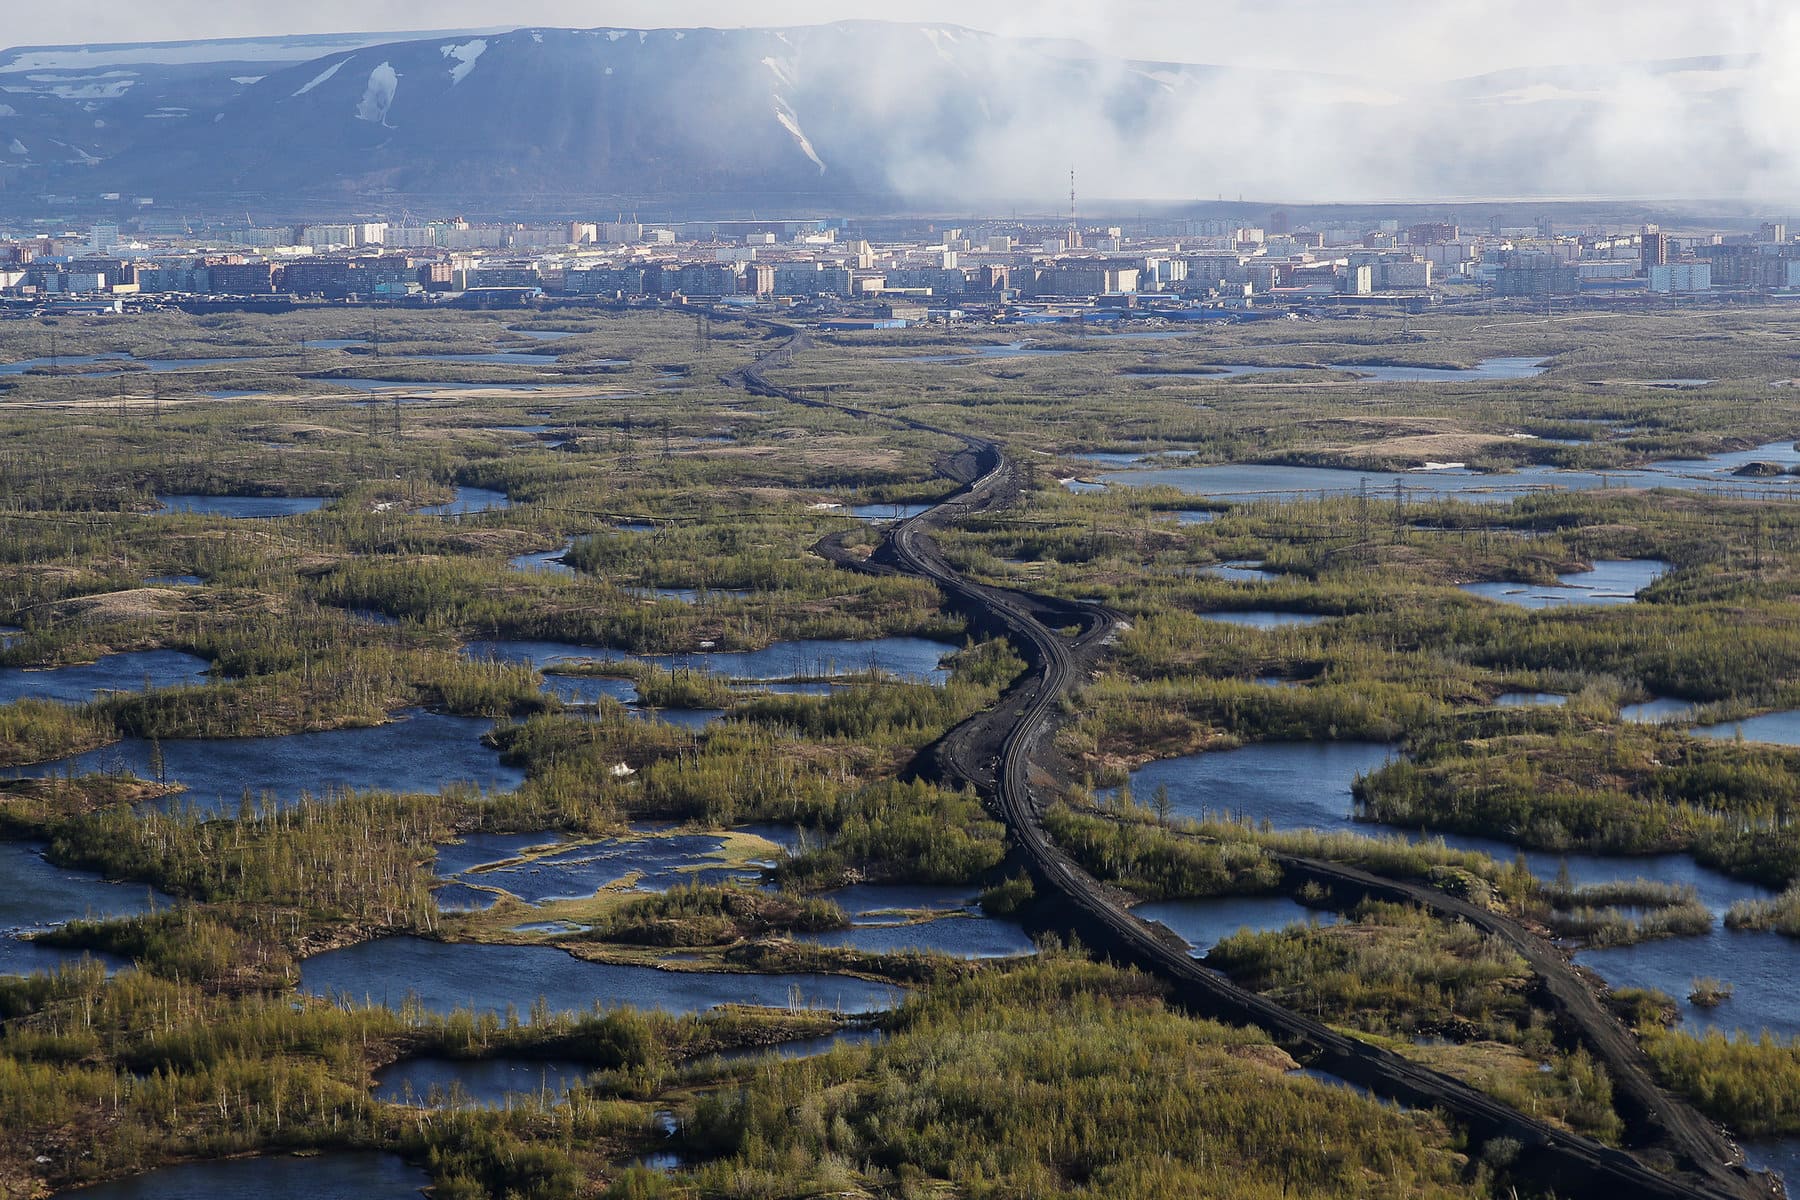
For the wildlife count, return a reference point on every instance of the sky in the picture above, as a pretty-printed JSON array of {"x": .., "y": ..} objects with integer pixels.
[{"x": 1435, "y": 39}]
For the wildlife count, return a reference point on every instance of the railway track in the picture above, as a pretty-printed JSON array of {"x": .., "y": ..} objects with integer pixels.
[{"x": 995, "y": 751}]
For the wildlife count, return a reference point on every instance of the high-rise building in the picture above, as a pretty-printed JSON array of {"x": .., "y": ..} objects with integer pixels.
[{"x": 1654, "y": 249}]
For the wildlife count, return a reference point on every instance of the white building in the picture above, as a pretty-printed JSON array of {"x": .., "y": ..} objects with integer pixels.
[{"x": 1681, "y": 279}]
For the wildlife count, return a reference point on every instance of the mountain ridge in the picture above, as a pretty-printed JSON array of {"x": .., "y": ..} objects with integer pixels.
[{"x": 855, "y": 110}]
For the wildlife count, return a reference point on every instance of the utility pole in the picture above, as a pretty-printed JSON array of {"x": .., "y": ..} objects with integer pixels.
[{"x": 1362, "y": 512}]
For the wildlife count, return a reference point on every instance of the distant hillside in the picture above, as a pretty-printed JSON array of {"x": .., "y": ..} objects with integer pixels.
[{"x": 863, "y": 110}]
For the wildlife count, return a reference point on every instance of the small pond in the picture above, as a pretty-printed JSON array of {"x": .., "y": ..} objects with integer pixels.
[
  {"x": 242, "y": 507},
  {"x": 1611, "y": 582}
]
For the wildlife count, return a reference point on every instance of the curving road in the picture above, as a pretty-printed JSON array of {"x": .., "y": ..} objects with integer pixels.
[{"x": 1061, "y": 641}]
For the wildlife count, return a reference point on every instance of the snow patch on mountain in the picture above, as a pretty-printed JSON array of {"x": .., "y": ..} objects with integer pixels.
[
  {"x": 465, "y": 56},
  {"x": 378, "y": 97},
  {"x": 784, "y": 113},
  {"x": 323, "y": 76}
]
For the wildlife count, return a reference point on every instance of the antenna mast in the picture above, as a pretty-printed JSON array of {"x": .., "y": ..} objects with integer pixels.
[{"x": 1074, "y": 227}]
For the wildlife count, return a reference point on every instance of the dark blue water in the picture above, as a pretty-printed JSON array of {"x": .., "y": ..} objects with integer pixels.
[
  {"x": 321, "y": 1177},
  {"x": 469, "y": 500},
  {"x": 1203, "y": 924},
  {"x": 444, "y": 977},
  {"x": 443, "y": 1082},
  {"x": 1781, "y": 1156},
  {"x": 420, "y": 752},
  {"x": 1762, "y": 967},
  {"x": 1776, "y": 729},
  {"x": 656, "y": 861},
  {"x": 907, "y": 658},
  {"x": 1307, "y": 786},
  {"x": 942, "y": 920},
  {"x": 38, "y": 897},
  {"x": 1611, "y": 582},
  {"x": 174, "y": 581},
  {"x": 243, "y": 507},
  {"x": 142, "y": 670}
]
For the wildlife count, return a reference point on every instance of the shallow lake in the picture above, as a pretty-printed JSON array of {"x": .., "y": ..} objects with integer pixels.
[
  {"x": 39, "y": 896},
  {"x": 242, "y": 507},
  {"x": 469, "y": 500},
  {"x": 138, "y": 671},
  {"x": 1611, "y": 582},
  {"x": 444, "y": 977},
  {"x": 655, "y": 860},
  {"x": 883, "y": 922},
  {"x": 906, "y": 658},
  {"x": 443, "y": 1082},
  {"x": 1776, "y": 729},
  {"x": 319, "y": 1177},
  {"x": 546, "y": 562},
  {"x": 1761, "y": 967},
  {"x": 1244, "y": 482},
  {"x": 419, "y": 752},
  {"x": 1240, "y": 572},
  {"x": 1307, "y": 786},
  {"x": 1203, "y": 924}
]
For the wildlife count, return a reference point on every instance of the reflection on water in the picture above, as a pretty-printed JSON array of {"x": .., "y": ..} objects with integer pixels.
[
  {"x": 1244, "y": 482},
  {"x": 419, "y": 752},
  {"x": 242, "y": 507},
  {"x": 1264, "y": 620},
  {"x": 469, "y": 500},
  {"x": 1611, "y": 582},
  {"x": 40, "y": 897},
  {"x": 1203, "y": 924},
  {"x": 1776, "y": 729},
  {"x": 140, "y": 671},
  {"x": 883, "y": 921},
  {"x": 443, "y": 976},
  {"x": 444, "y": 1083},
  {"x": 907, "y": 658},
  {"x": 317, "y": 1177}
]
